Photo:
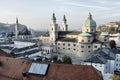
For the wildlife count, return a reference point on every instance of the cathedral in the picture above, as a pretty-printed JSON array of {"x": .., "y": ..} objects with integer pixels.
[
  {"x": 25, "y": 34},
  {"x": 73, "y": 43}
]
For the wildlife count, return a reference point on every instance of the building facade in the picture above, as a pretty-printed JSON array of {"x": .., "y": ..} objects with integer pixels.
[{"x": 77, "y": 43}]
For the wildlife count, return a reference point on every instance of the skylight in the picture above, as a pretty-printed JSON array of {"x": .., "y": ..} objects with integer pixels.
[{"x": 37, "y": 68}]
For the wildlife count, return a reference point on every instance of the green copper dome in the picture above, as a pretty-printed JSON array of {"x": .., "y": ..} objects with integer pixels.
[{"x": 89, "y": 22}]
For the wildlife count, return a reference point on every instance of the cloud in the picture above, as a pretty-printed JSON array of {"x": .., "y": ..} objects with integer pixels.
[{"x": 87, "y": 5}]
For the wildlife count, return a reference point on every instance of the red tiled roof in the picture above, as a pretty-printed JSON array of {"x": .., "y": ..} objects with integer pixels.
[
  {"x": 3, "y": 53},
  {"x": 12, "y": 69}
]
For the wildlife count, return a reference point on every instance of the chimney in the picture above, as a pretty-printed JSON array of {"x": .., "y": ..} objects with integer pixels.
[{"x": 25, "y": 74}]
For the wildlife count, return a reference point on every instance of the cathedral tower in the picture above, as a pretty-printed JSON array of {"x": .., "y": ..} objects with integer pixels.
[
  {"x": 64, "y": 26},
  {"x": 53, "y": 30}
]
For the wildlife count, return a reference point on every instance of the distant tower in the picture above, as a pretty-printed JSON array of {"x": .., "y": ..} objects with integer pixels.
[
  {"x": 64, "y": 26},
  {"x": 16, "y": 29},
  {"x": 53, "y": 30}
]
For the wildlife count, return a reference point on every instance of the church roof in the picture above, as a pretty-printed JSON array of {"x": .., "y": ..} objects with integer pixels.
[
  {"x": 96, "y": 41},
  {"x": 67, "y": 39},
  {"x": 25, "y": 31},
  {"x": 104, "y": 34},
  {"x": 89, "y": 22},
  {"x": 101, "y": 56},
  {"x": 69, "y": 32},
  {"x": 85, "y": 34}
]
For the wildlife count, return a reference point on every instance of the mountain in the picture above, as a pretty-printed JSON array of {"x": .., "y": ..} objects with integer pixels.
[
  {"x": 10, "y": 28},
  {"x": 7, "y": 28}
]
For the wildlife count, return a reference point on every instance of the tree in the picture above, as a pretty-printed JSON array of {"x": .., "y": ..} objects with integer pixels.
[
  {"x": 112, "y": 44},
  {"x": 54, "y": 57},
  {"x": 66, "y": 59}
]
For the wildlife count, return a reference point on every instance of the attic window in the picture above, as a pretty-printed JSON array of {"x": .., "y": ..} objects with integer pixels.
[{"x": 37, "y": 68}]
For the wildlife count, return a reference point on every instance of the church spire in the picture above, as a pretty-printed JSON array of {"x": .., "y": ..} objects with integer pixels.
[
  {"x": 16, "y": 20},
  {"x": 16, "y": 29},
  {"x": 64, "y": 26},
  {"x": 53, "y": 18},
  {"x": 64, "y": 19},
  {"x": 89, "y": 16}
]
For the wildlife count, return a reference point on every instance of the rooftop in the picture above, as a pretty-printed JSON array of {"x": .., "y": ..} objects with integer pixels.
[
  {"x": 102, "y": 55},
  {"x": 2, "y": 53},
  {"x": 69, "y": 32},
  {"x": 85, "y": 34},
  {"x": 67, "y": 39},
  {"x": 14, "y": 69}
]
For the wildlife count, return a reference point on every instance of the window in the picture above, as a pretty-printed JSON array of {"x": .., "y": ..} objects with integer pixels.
[
  {"x": 68, "y": 44},
  {"x": 74, "y": 44},
  {"x": 88, "y": 40},
  {"x": 63, "y": 44},
  {"x": 116, "y": 69},
  {"x": 58, "y": 47},
  {"x": 74, "y": 49},
  {"x": 105, "y": 45},
  {"x": 63, "y": 48},
  {"x": 116, "y": 59},
  {"x": 52, "y": 29},
  {"x": 87, "y": 29},
  {"x": 82, "y": 51},
  {"x": 104, "y": 39},
  {"x": 88, "y": 51},
  {"x": 95, "y": 46},
  {"x": 82, "y": 40},
  {"x": 88, "y": 46},
  {"x": 58, "y": 43},
  {"x": 82, "y": 46},
  {"x": 91, "y": 29},
  {"x": 116, "y": 64},
  {"x": 68, "y": 48}
]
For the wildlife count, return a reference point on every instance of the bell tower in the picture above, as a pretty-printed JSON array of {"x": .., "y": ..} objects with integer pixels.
[
  {"x": 64, "y": 26},
  {"x": 53, "y": 30}
]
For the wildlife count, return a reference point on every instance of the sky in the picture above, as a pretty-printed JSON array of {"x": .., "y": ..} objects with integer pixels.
[{"x": 37, "y": 14}]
